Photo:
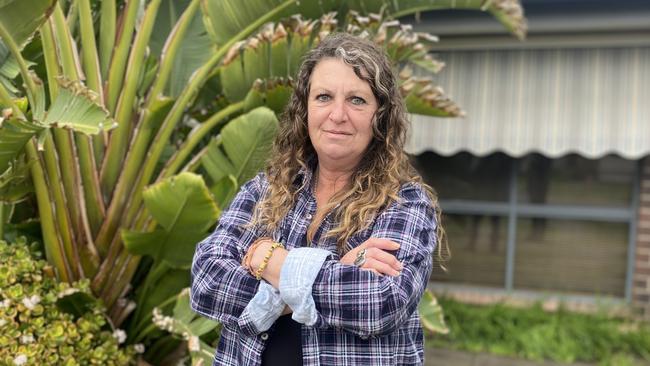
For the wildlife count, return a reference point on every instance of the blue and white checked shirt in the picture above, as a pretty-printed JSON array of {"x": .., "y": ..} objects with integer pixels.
[{"x": 350, "y": 316}]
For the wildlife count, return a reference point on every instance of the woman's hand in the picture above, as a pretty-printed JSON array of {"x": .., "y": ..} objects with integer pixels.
[
  {"x": 378, "y": 259},
  {"x": 254, "y": 258}
]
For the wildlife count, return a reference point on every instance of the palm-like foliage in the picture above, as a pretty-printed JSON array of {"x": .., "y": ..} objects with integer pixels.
[{"x": 108, "y": 107}]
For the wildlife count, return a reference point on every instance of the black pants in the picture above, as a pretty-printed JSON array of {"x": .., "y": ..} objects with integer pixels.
[{"x": 284, "y": 347}]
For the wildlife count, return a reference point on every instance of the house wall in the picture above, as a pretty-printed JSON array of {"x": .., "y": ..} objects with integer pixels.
[{"x": 641, "y": 283}]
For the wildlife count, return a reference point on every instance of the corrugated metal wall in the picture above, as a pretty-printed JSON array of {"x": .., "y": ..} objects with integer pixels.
[{"x": 589, "y": 101}]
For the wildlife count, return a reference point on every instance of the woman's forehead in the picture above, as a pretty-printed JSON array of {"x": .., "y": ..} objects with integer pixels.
[{"x": 331, "y": 71}]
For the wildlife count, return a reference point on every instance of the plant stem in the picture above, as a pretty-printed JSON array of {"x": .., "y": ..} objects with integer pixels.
[
  {"x": 106, "y": 35},
  {"x": 84, "y": 174},
  {"x": 114, "y": 161},
  {"x": 56, "y": 186},
  {"x": 89, "y": 48},
  {"x": 54, "y": 250},
  {"x": 120, "y": 54}
]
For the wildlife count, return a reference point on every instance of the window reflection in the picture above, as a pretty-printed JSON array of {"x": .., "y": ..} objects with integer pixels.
[
  {"x": 572, "y": 256},
  {"x": 467, "y": 177},
  {"x": 478, "y": 247},
  {"x": 574, "y": 180}
]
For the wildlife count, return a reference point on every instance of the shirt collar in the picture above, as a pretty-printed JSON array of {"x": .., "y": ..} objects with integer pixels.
[{"x": 305, "y": 176}]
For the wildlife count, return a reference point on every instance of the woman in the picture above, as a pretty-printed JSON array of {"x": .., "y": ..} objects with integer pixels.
[{"x": 339, "y": 229}]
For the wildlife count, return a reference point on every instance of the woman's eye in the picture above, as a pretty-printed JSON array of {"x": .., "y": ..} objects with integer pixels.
[
  {"x": 322, "y": 97},
  {"x": 357, "y": 101}
]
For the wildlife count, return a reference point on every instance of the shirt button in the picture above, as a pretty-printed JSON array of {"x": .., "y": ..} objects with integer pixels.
[
  {"x": 264, "y": 336},
  {"x": 364, "y": 337},
  {"x": 308, "y": 216}
]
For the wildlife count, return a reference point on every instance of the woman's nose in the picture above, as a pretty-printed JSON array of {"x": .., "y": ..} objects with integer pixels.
[{"x": 338, "y": 113}]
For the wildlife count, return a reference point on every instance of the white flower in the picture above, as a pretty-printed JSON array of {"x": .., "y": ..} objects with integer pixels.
[
  {"x": 30, "y": 302},
  {"x": 193, "y": 344},
  {"x": 2, "y": 322},
  {"x": 20, "y": 360},
  {"x": 26, "y": 339},
  {"x": 139, "y": 348},
  {"x": 5, "y": 303},
  {"x": 120, "y": 335},
  {"x": 162, "y": 321}
]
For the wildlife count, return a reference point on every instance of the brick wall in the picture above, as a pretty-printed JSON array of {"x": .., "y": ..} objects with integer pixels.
[{"x": 641, "y": 280}]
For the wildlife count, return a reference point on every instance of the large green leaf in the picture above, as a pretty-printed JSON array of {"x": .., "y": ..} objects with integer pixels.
[
  {"x": 423, "y": 97},
  {"x": 14, "y": 134},
  {"x": 401, "y": 43},
  {"x": 184, "y": 209},
  {"x": 78, "y": 108},
  {"x": 15, "y": 182},
  {"x": 8, "y": 69},
  {"x": 508, "y": 12},
  {"x": 431, "y": 314},
  {"x": 185, "y": 323},
  {"x": 166, "y": 287},
  {"x": 242, "y": 147},
  {"x": 275, "y": 52},
  {"x": 224, "y": 190},
  {"x": 273, "y": 93},
  {"x": 226, "y": 18},
  {"x": 21, "y": 18},
  {"x": 195, "y": 49}
]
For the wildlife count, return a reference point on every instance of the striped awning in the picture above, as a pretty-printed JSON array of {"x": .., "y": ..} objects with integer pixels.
[{"x": 587, "y": 101}]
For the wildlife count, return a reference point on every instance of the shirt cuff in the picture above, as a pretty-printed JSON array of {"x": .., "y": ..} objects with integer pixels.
[
  {"x": 297, "y": 277},
  {"x": 263, "y": 309}
]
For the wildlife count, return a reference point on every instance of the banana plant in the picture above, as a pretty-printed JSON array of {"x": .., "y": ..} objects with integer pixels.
[{"x": 127, "y": 126}]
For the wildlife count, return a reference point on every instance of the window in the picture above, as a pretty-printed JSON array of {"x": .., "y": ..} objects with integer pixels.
[{"x": 536, "y": 223}]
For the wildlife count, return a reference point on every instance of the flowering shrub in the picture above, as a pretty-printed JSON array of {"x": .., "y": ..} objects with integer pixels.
[{"x": 33, "y": 328}]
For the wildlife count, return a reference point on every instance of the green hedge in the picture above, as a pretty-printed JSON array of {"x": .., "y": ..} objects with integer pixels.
[
  {"x": 535, "y": 334},
  {"x": 43, "y": 322}
]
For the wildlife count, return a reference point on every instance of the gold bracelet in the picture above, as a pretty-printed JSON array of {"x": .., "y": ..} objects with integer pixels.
[
  {"x": 265, "y": 262},
  {"x": 246, "y": 261}
]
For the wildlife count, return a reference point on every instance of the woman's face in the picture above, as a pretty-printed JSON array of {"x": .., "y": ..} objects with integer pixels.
[{"x": 340, "y": 111}]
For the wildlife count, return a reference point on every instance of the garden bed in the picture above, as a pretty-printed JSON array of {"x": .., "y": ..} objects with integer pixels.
[{"x": 534, "y": 334}]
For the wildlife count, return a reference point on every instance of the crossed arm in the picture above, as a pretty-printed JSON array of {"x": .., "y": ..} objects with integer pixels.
[{"x": 371, "y": 300}]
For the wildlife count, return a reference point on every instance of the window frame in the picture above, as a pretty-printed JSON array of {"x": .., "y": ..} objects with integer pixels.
[{"x": 514, "y": 210}]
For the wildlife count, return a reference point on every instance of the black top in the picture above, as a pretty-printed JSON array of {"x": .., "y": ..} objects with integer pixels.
[{"x": 284, "y": 346}]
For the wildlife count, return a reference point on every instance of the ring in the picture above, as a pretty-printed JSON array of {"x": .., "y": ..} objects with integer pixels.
[{"x": 361, "y": 258}]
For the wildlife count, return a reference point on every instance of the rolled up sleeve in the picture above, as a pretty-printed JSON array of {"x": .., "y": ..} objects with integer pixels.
[{"x": 297, "y": 276}]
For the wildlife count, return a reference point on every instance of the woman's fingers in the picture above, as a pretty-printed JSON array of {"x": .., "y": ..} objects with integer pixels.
[
  {"x": 384, "y": 257},
  {"x": 380, "y": 267},
  {"x": 380, "y": 243},
  {"x": 378, "y": 258}
]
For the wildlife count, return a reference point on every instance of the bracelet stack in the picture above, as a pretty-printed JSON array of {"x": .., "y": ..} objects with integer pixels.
[
  {"x": 265, "y": 262},
  {"x": 246, "y": 261}
]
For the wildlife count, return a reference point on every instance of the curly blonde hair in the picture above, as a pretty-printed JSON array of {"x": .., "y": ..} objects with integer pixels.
[{"x": 384, "y": 168}]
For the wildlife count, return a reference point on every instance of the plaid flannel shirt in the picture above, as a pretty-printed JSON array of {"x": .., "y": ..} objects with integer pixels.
[{"x": 350, "y": 316}]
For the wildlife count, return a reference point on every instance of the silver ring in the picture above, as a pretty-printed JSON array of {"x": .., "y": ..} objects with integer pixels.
[{"x": 361, "y": 258}]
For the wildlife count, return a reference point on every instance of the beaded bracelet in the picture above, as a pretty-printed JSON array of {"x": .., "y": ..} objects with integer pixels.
[
  {"x": 265, "y": 262},
  {"x": 246, "y": 261}
]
